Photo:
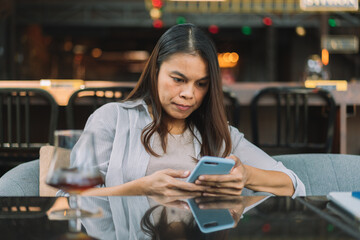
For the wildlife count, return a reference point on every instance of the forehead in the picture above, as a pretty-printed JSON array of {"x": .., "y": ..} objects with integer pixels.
[{"x": 188, "y": 62}]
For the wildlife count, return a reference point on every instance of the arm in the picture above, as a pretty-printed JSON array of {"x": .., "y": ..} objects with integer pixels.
[
  {"x": 257, "y": 171},
  {"x": 160, "y": 183},
  {"x": 275, "y": 182}
]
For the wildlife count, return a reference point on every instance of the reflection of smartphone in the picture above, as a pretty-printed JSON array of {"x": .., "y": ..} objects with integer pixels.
[
  {"x": 211, "y": 220},
  {"x": 211, "y": 165}
]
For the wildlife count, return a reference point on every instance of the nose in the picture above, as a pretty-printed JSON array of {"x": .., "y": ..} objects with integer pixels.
[{"x": 187, "y": 91}]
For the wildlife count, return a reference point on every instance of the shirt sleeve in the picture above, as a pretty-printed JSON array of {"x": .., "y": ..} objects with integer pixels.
[
  {"x": 253, "y": 156},
  {"x": 102, "y": 125}
]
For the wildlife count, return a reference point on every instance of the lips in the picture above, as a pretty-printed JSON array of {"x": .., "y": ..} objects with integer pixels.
[{"x": 183, "y": 107}]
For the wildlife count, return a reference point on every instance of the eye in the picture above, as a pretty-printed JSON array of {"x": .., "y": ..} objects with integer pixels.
[
  {"x": 178, "y": 80},
  {"x": 203, "y": 84}
]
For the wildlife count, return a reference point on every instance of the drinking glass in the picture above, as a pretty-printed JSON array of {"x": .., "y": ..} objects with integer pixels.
[{"x": 73, "y": 178}]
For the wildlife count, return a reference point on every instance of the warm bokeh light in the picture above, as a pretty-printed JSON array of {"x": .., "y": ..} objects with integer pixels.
[
  {"x": 96, "y": 53},
  {"x": 155, "y": 13},
  {"x": 68, "y": 45},
  {"x": 300, "y": 31},
  {"x": 325, "y": 56},
  {"x": 228, "y": 59}
]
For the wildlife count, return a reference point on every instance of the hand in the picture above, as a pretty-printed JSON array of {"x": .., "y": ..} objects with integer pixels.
[
  {"x": 229, "y": 184},
  {"x": 174, "y": 202},
  {"x": 164, "y": 183}
]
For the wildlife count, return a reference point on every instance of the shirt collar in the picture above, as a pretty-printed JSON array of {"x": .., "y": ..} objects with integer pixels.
[{"x": 134, "y": 103}]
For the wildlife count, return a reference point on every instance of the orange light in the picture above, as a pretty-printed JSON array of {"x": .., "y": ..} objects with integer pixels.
[
  {"x": 325, "y": 56},
  {"x": 228, "y": 60},
  {"x": 96, "y": 53}
]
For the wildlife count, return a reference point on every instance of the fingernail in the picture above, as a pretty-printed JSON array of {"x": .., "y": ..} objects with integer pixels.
[
  {"x": 186, "y": 173},
  {"x": 201, "y": 178},
  {"x": 201, "y": 206}
]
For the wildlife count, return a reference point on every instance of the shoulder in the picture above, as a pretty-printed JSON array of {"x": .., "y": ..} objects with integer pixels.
[
  {"x": 235, "y": 135},
  {"x": 116, "y": 108},
  {"x": 111, "y": 113}
]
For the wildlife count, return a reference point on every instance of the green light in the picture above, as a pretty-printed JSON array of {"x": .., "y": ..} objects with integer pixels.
[
  {"x": 332, "y": 22},
  {"x": 246, "y": 30},
  {"x": 180, "y": 20},
  {"x": 330, "y": 227}
]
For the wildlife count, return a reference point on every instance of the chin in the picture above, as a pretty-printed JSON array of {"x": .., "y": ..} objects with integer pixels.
[{"x": 179, "y": 116}]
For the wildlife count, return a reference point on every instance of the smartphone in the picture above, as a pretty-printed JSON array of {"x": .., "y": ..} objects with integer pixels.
[
  {"x": 211, "y": 220},
  {"x": 210, "y": 166}
]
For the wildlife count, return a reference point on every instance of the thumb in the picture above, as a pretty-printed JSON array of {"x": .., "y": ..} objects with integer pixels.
[{"x": 177, "y": 173}]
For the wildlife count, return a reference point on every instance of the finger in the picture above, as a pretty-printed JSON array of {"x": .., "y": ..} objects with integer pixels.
[
  {"x": 218, "y": 195},
  {"x": 237, "y": 185},
  {"x": 191, "y": 187},
  {"x": 224, "y": 191},
  {"x": 221, "y": 178},
  {"x": 176, "y": 173}
]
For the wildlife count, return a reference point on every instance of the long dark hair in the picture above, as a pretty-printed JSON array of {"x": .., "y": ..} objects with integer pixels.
[{"x": 210, "y": 118}]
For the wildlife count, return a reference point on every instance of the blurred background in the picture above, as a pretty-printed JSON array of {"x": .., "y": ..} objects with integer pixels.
[{"x": 257, "y": 40}]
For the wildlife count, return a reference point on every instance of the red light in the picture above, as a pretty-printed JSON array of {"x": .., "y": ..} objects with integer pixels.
[
  {"x": 158, "y": 23},
  {"x": 266, "y": 228},
  {"x": 267, "y": 21},
  {"x": 157, "y": 3},
  {"x": 213, "y": 29}
]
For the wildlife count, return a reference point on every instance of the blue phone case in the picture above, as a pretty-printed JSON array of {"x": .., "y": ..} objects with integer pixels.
[
  {"x": 211, "y": 220},
  {"x": 210, "y": 166}
]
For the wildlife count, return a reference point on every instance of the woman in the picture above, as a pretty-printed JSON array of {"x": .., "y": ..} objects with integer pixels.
[{"x": 148, "y": 144}]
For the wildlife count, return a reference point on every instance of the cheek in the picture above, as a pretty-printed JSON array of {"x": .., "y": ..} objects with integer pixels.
[
  {"x": 165, "y": 90},
  {"x": 200, "y": 95}
]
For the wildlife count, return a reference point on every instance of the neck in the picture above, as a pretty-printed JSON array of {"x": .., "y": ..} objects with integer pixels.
[{"x": 176, "y": 126}]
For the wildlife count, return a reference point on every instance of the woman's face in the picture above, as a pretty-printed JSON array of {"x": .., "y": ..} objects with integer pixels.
[{"x": 183, "y": 82}]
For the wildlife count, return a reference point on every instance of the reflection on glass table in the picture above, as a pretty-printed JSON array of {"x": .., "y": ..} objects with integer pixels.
[{"x": 142, "y": 217}]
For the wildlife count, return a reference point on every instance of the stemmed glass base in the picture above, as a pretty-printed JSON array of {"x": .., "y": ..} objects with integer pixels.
[{"x": 74, "y": 212}]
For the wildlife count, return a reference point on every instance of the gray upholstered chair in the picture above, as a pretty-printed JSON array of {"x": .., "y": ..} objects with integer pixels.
[
  {"x": 321, "y": 174},
  {"x": 23, "y": 180}
]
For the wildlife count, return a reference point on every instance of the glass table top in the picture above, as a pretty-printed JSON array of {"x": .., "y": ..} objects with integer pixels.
[{"x": 142, "y": 217}]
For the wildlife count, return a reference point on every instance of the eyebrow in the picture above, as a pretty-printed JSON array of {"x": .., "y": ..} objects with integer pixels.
[{"x": 183, "y": 76}]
